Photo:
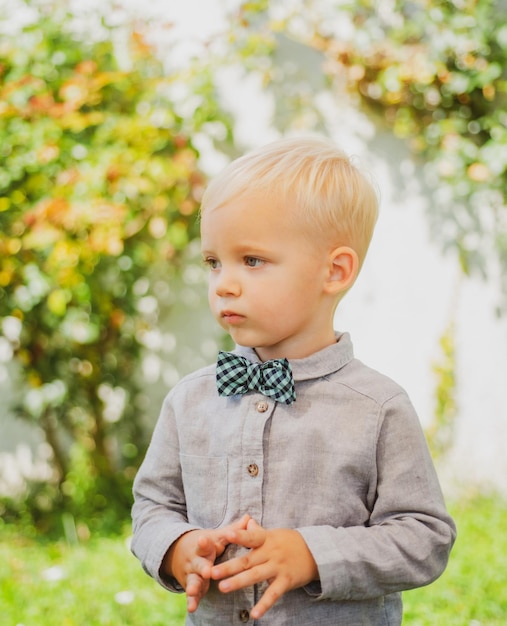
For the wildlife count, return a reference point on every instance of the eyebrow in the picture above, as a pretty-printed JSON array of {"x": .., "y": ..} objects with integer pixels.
[{"x": 244, "y": 249}]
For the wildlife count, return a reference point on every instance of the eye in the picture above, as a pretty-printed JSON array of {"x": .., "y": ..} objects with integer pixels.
[
  {"x": 212, "y": 263},
  {"x": 252, "y": 261}
]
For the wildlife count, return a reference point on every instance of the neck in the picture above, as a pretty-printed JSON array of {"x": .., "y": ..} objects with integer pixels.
[{"x": 298, "y": 350}]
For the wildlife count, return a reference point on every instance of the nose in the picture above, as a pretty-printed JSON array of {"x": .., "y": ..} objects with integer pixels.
[{"x": 227, "y": 283}]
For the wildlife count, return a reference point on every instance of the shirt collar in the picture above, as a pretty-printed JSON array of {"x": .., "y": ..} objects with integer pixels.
[{"x": 321, "y": 363}]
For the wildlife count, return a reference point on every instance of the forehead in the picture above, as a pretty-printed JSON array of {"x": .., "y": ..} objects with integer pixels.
[
  {"x": 253, "y": 225},
  {"x": 250, "y": 219},
  {"x": 252, "y": 211}
]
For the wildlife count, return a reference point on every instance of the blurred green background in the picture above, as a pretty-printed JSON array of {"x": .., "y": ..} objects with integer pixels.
[{"x": 106, "y": 135}]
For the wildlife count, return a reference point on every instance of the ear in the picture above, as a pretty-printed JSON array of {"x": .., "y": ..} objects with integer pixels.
[{"x": 343, "y": 267}]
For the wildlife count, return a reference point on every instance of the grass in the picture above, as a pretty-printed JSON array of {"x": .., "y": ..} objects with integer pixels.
[
  {"x": 99, "y": 583},
  {"x": 95, "y": 584},
  {"x": 473, "y": 589}
]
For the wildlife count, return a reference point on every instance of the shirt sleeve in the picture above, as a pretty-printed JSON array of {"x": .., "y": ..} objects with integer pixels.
[
  {"x": 159, "y": 510},
  {"x": 408, "y": 538}
]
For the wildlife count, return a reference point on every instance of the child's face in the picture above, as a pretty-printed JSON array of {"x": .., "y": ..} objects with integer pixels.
[{"x": 266, "y": 281}]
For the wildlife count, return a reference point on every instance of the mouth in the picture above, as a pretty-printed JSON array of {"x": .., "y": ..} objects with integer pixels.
[{"x": 230, "y": 317}]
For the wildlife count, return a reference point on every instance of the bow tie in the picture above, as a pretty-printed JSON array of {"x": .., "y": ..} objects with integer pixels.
[{"x": 237, "y": 375}]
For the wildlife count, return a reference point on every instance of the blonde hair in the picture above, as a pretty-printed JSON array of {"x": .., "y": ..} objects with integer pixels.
[{"x": 332, "y": 196}]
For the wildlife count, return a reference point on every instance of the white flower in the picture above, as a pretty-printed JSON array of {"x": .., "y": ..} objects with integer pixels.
[
  {"x": 54, "y": 574},
  {"x": 124, "y": 597}
]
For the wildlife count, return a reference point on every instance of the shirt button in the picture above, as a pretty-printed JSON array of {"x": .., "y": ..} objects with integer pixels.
[
  {"x": 253, "y": 469},
  {"x": 244, "y": 616},
  {"x": 262, "y": 406}
]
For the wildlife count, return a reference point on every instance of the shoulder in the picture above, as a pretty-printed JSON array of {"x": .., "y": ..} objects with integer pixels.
[
  {"x": 191, "y": 393},
  {"x": 209, "y": 371},
  {"x": 192, "y": 382},
  {"x": 368, "y": 382},
  {"x": 371, "y": 394}
]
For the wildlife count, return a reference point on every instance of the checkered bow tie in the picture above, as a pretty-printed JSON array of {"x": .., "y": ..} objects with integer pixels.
[{"x": 237, "y": 375}]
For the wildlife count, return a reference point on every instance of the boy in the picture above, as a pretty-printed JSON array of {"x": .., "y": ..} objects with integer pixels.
[{"x": 289, "y": 484}]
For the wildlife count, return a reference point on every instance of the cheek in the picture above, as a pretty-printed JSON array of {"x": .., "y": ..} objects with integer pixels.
[
  {"x": 212, "y": 296},
  {"x": 214, "y": 306}
]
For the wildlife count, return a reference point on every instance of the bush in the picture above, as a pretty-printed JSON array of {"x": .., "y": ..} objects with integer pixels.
[{"x": 99, "y": 190}]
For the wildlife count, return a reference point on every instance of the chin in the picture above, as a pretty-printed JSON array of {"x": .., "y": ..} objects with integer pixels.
[{"x": 242, "y": 341}]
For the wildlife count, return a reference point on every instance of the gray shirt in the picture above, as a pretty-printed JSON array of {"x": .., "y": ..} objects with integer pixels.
[{"x": 346, "y": 465}]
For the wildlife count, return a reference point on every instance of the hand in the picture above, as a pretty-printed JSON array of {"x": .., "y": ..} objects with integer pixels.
[
  {"x": 191, "y": 557},
  {"x": 279, "y": 556}
]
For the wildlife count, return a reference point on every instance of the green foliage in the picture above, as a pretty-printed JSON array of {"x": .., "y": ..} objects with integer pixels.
[
  {"x": 433, "y": 71},
  {"x": 440, "y": 432},
  {"x": 436, "y": 71},
  {"x": 98, "y": 583},
  {"x": 99, "y": 188}
]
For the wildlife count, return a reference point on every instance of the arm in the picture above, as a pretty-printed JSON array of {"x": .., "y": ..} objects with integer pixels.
[
  {"x": 159, "y": 510},
  {"x": 407, "y": 542},
  {"x": 179, "y": 555}
]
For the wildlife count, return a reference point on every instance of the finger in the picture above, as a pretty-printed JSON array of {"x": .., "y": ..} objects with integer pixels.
[
  {"x": 242, "y": 523},
  {"x": 252, "y": 537},
  {"x": 242, "y": 574},
  {"x": 195, "y": 589},
  {"x": 272, "y": 594},
  {"x": 205, "y": 546},
  {"x": 192, "y": 604},
  {"x": 235, "y": 566},
  {"x": 222, "y": 536},
  {"x": 244, "y": 579},
  {"x": 246, "y": 532},
  {"x": 201, "y": 566},
  {"x": 252, "y": 524}
]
